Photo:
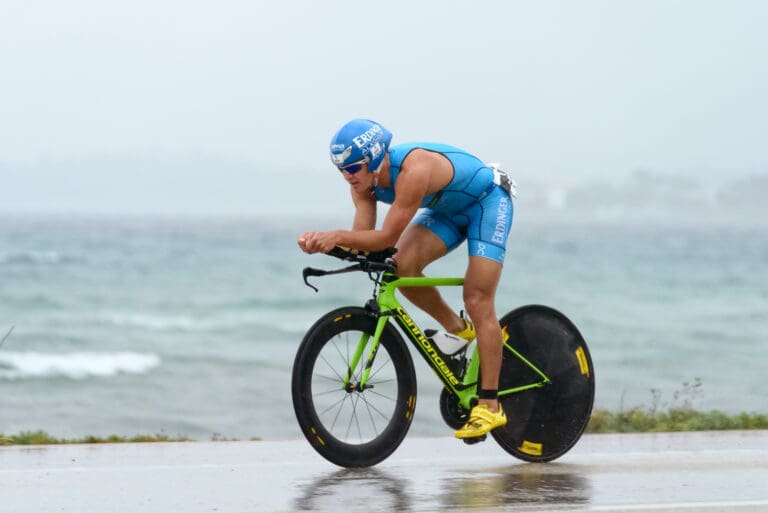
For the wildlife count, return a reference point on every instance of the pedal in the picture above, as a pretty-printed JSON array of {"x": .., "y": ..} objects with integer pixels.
[{"x": 475, "y": 439}]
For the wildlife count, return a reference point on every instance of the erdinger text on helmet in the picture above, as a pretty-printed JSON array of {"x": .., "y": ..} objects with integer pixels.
[{"x": 360, "y": 141}]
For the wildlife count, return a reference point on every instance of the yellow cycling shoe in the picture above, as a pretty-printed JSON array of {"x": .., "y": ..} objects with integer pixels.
[
  {"x": 481, "y": 421},
  {"x": 468, "y": 333}
]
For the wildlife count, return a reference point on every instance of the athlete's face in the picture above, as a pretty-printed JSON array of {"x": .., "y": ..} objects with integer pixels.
[{"x": 360, "y": 181}]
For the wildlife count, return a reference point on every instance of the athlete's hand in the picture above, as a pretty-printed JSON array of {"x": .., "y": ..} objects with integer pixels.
[{"x": 318, "y": 242}]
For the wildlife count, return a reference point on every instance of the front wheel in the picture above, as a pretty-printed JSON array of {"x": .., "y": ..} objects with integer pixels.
[
  {"x": 350, "y": 425},
  {"x": 544, "y": 423}
]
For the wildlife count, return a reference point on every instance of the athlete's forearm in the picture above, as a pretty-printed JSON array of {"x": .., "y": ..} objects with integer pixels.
[
  {"x": 366, "y": 240},
  {"x": 365, "y": 212},
  {"x": 365, "y": 218}
]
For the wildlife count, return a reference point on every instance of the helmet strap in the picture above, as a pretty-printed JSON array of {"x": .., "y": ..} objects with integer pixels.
[{"x": 377, "y": 171}]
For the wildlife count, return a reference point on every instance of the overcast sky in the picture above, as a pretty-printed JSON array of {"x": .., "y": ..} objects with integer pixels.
[{"x": 102, "y": 101}]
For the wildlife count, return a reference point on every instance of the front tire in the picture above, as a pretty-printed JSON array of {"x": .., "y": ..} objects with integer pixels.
[{"x": 348, "y": 426}]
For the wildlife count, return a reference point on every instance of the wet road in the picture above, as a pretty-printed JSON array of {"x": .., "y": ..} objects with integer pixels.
[{"x": 683, "y": 473}]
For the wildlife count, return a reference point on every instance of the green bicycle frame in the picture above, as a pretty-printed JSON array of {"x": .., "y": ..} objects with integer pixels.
[{"x": 388, "y": 306}]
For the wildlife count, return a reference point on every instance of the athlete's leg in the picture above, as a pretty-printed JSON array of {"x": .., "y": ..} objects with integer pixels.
[
  {"x": 480, "y": 285},
  {"x": 487, "y": 232},
  {"x": 418, "y": 247}
]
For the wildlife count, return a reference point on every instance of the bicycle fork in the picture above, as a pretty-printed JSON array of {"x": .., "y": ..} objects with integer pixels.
[{"x": 358, "y": 354}]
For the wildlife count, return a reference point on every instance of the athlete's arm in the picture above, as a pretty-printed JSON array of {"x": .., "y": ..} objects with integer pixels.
[
  {"x": 365, "y": 211},
  {"x": 411, "y": 188}
]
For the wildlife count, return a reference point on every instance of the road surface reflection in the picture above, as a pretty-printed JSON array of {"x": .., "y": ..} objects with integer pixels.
[{"x": 377, "y": 490}]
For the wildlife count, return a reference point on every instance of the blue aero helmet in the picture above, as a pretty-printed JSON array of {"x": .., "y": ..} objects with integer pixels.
[{"x": 359, "y": 141}]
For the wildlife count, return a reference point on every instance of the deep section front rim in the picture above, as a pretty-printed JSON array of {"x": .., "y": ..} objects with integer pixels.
[{"x": 349, "y": 424}]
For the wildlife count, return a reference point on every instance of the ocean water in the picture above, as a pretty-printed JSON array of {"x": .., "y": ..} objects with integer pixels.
[{"x": 189, "y": 327}]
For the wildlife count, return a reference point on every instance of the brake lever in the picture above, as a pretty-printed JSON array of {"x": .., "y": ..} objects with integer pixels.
[{"x": 311, "y": 271}]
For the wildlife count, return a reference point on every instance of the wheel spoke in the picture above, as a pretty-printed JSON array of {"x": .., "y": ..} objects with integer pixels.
[
  {"x": 370, "y": 406},
  {"x": 344, "y": 359},
  {"x": 354, "y": 420},
  {"x": 383, "y": 381},
  {"x": 331, "y": 391},
  {"x": 331, "y": 406},
  {"x": 340, "y": 404},
  {"x": 331, "y": 367},
  {"x": 334, "y": 379},
  {"x": 370, "y": 415},
  {"x": 388, "y": 398}
]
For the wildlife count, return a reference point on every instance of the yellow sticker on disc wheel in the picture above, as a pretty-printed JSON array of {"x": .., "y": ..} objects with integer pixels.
[
  {"x": 583, "y": 364},
  {"x": 531, "y": 448}
]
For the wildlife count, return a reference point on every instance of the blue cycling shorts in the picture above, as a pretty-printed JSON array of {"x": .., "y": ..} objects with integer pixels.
[{"x": 484, "y": 224}]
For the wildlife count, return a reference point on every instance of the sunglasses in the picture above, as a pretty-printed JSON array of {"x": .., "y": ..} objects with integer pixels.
[{"x": 354, "y": 167}]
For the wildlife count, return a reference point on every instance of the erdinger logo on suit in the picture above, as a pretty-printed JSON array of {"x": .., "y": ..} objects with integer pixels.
[
  {"x": 502, "y": 214},
  {"x": 368, "y": 136}
]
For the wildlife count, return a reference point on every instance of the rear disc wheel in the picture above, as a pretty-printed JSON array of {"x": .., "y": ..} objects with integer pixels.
[{"x": 544, "y": 423}]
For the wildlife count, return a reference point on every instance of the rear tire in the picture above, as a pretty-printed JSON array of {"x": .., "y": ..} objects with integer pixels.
[
  {"x": 544, "y": 423},
  {"x": 349, "y": 427}
]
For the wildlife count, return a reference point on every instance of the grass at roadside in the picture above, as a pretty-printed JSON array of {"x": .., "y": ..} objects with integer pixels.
[
  {"x": 636, "y": 420},
  {"x": 673, "y": 415},
  {"x": 639, "y": 420},
  {"x": 43, "y": 438}
]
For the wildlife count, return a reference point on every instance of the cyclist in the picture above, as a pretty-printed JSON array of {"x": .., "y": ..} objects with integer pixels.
[{"x": 461, "y": 199}]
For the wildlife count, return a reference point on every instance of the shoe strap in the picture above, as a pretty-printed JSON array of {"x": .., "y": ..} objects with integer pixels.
[
  {"x": 484, "y": 413},
  {"x": 468, "y": 333}
]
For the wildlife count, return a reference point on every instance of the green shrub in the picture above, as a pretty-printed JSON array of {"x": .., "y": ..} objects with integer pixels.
[
  {"x": 638, "y": 420},
  {"x": 43, "y": 438}
]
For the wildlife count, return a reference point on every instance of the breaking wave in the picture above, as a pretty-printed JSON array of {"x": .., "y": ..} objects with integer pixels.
[{"x": 81, "y": 365}]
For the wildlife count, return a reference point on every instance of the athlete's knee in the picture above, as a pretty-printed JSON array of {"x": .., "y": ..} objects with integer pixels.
[
  {"x": 412, "y": 258},
  {"x": 408, "y": 266},
  {"x": 478, "y": 303}
]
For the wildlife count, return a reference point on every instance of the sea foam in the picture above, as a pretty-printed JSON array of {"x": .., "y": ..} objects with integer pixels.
[
  {"x": 30, "y": 257},
  {"x": 79, "y": 365}
]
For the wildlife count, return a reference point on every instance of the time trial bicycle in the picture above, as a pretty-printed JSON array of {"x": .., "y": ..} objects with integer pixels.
[{"x": 354, "y": 384}]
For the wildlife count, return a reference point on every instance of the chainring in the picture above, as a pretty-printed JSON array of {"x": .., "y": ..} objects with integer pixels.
[{"x": 453, "y": 414}]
